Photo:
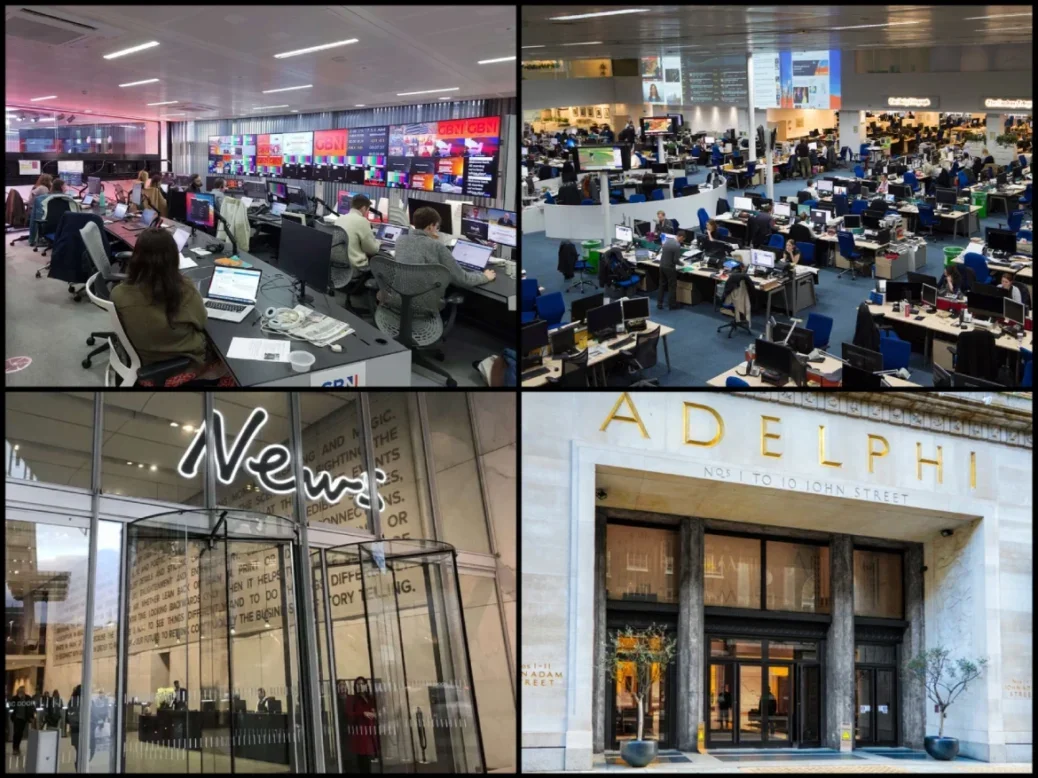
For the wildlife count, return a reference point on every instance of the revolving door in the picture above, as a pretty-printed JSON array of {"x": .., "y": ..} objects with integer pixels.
[
  {"x": 211, "y": 677},
  {"x": 408, "y": 705}
]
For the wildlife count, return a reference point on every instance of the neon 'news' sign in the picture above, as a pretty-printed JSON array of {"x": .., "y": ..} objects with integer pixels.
[{"x": 269, "y": 463}]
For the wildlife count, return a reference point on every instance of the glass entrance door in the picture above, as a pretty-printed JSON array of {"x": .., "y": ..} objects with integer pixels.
[{"x": 875, "y": 706}]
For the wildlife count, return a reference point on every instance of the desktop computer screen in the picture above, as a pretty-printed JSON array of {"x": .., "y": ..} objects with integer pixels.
[
  {"x": 743, "y": 204},
  {"x": 773, "y": 356},
  {"x": 819, "y": 217},
  {"x": 605, "y": 317},
  {"x": 900, "y": 190},
  {"x": 278, "y": 189},
  {"x": 903, "y": 290},
  {"x": 255, "y": 190},
  {"x": 851, "y": 221},
  {"x": 580, "y": 307},
  {"x": 342, "y": 203},
  {"x": 1000, "y": 179},
  {"x": 708, "y": 140},
  {"x": 297, "y": 197},
  {"x": 803, "y": 210},
  {"x": 201, "y": 211},
  {"x": 839, "y": 190},
  {"x": 1013, "y": 311},
  {"x": 856, "y": 378},
  {"x": 861, "y": 358},
  {"x": 443, "y": 209},
  {"x": 782, "y": 210},
  {"x": 305, "y": 254},
  {"x": 870, "y": 220},
  {"x": 929, "y": 295},
  {"x": 945, "y": 196},
  {"x": 812, "y": 146},
  {"x": 636, "y": 308},
  {"x": 93, "y": 185},
  {"x": 623, "y": 234},
  {"x": 800, "y": 339},
  {"x": 659, "y": 168},
  {"x": 1000, "y": 240},
  {"x": 985, "y": 305},
  {"x": 762, "y": 258},
  {"x": 824, "y": 186},
  {"x": 533, "y": 336},
  {"x": 135, "y": 194}
]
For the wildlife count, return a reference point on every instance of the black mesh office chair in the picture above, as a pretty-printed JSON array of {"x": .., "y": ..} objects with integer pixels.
[
  {"x": 642, "y": 356},
  {"x": 574, "y": 372}
]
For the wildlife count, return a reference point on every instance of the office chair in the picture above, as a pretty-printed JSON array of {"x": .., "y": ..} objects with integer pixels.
[
  {"x": 848, "y": 252},
  {"x": 657, "y": 194},
  {"x": 581, "y": 266},
  {"x": 528, "y": 292},
  {"x": 574, "y": 372},
  {"x": 859, "y": 171},
  {"x": 1026, "y": 198},
  {"x": 807, "y": 253},
  {"x": 97, "y": 250},
  {"x": 963, "y": 179},
  {"x": 911, "y": 180},
  {"x": 722, "y": 232},
  {"x": 637, "y": 198},
  {"x": 618, "y": 273},
  {"x": 587, "y": 201},
  {"x": 703, "y": 219},
  {"x": 1025, "y": 296},
  {"x": 975, "y": 354},
  {"x": 643, "y": 355},
  {"x": 417, "y": 325},
  {"x": 1016, "y": 218},
  {"x": 735, "y": 281},
  {"x": 840, "y": 201},
  {"x": 722, "y": 206},
  {"x": 896, "y": 352},
  {"x": 734, "y": 382},
  {"x": 859, "y": 206},
  {"x": 777, "y": 241},
  {"x": 54, "y": 207},
  {"x": 551, "y": 308},
  {"x": 680, "y": 183},
  {"x": 979, "y": 265},
  {"x": 863, "y": 152},
  {"x": 548, "y": 198},
  {"x": 929, "y": 220}
]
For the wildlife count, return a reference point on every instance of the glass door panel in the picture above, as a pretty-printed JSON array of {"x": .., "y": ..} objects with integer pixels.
[
  {"x": 809, "y": 705},
  {"x": 779, "y": 702},
  {"x": 863, "y": 732},
  {"x": 751, "y": 714},
  {"x": 722, "y": 702},
  {"x": 208, "y": 727},
  {"x": 886, "y": 699}
]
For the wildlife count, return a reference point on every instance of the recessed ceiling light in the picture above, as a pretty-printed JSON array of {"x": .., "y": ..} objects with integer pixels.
[
  {"x": 287, "y": 89},
  {"x": 153, "y": 468},
  {"x": 265, "y": 107},
  {"x": 130, "y": 464},
  {"x": 359, "y": 105},
  {"x": 17, "y": 446},
  {"x": 132, "y": 50},
  {"x": 428, "y": 91},
  {"x": 995, "y": 16},
  {"x": 584, "y": 43},
  {"x": 297, "y": 52},
  {"x": 48, "y": 97},
  {"x": 138, "y": 83},
  {"x": 188, "y": 428},
  {"x": 165, "y": 102},
  {"x": 535, "y": 46},
  {"x": 600, "y": 13},
  {"x": 47, "y": 119},
  {"x": 294, "y": 111},
  {"x": 173, "y": 424},
  {"x": 444, "y": 98},
  {"x": 867, "y": 26},
  {"x": 491, "y": 61},
  {"x": 140, "y": 465}
]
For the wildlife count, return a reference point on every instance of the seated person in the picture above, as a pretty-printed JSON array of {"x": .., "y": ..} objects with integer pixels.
[
  {"x": 40, "y": 189},
  {"x": 196, "y": 183},
  {"x": 811, "y": 188},
  {"x": 162, "y": 310},
  {"x": 712, "y": 230},
  {"x": 361, "y": 243},
  {"x": 498, "y": 370},
  {"x": 218, "y": 193},
  {"x": 951, "y": 281},
  {"x": 791, "y": 253},
  {"x": 1005, "y": 282},
  {"x": 883, "y": 186},
  {"x": 988, "y": 159},
  {"x": 424, "y": 248},
  {"x": 662, "y": 224},
  {"x": 154, "y": 194},
  {"x": 800, "y": 231},
  {"x": 648, "y": 184},
  {"x": 57, "y": 186}
]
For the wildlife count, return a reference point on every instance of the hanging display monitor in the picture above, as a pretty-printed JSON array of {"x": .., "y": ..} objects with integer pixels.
[
  {"x": 797, "y": 79},
  {"x": 366, "y": 150},
  {"x": 298, "y": 154},
  {"x": 330, "y": 155},
  {"x": 268, "y": 154},
  {"x": 457, "y": 156},
  {"x": 232, "y": 155}
]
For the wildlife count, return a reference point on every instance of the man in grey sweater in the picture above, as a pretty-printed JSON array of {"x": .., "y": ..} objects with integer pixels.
[
  {"x": 670, "y": 259},
  {"x": 422, "y": 247}
]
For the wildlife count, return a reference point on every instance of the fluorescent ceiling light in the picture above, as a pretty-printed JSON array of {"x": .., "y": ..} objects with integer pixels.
[
  {"x": 359, "y": 105},
  {"x": 47, "y": 119},
  {"x": 297, "y": 52},
  {"x": 538, "y": 46},
  {"x": 428, "y": 91},
  {"x": 167, "y": 102},
  {"x": 295, "y": 111},
  {"x": 131, "y": 126},
  {"x": 48, "y": 97},
  {"x": 138, "y": 83},
  {"x": 499, "y": 59},
  {"x": 584, "y": 43},
  {"x": 287, "y": 89},
  {"x": 132, "y": 50},
  {"x": 866, "y": 26},
  {"x": 995, "y": 16},
  {"x": 445, "y": 98},
  {"x": 600, "y": 13},
  {"x": 264, "y": 107},
  {"x": 176, "y": 114}
]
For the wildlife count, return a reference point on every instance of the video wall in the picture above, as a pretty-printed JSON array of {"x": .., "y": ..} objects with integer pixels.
[
  {"x": 797, "y": 79},
  {"x": 458, "y": 156}
]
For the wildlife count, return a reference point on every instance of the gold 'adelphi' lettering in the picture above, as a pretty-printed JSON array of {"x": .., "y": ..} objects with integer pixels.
[
  {"x": 919, "y": 462},
  {"x": 873, "y": 455},
  {"x": 717, "y": 417},
  {"x": 634, "y": 419},
  {"x": 821, "y": 449},
  {"x": 765, "y": 436}
]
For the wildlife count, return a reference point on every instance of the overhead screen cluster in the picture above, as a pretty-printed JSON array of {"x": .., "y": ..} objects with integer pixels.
[
  {"x": 781, "y": 79},
  {"x": 458, "y": 156}
]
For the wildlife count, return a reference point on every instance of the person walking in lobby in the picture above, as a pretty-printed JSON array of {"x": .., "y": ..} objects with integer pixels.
[{"x": 23, "y": 712}]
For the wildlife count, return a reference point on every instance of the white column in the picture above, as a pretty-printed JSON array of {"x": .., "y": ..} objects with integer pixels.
[
  {"x": 661, "y": 151},
  {"x": 752, "y": 151},
  {"x": 603, "y": 188}
]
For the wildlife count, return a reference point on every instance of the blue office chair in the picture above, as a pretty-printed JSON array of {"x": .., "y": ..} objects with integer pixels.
[
  {"x": 821, "y": 326},
  {"x": 979, "y": 266},
  {"x": 549, "y": 199},
  {"x": 528, "y": 291},
  {"x": 679, "y": 184},
  {"x": 807, "y": 253},
  {"x": 911, "y": 180},
  {"x": 703, "y": 219},
  {"x": 676, "y": 225},
  {"x": 551, "y": 307},
  {"x": 859, "y": 171},
  {"x": 1025, "y": 235},
  {"x": 751, "y": 171},
  {"x": 587, "y": 201},
  {"x": 657, "y": 194},
  {"x": 715, "y": 158},
  {"x": 1015, "y": 220},
  {"x": 722, "y": 206},
  {"x": 859, "y": 206},
  {"x": 641, "y": 159},
  {"x": 810, "y": 203},
  {"x": 1026, "y": 198},
  {"x": 617, "y": 193},
  {"x": 962, "y": 179},
  {"x": 637, "y": 198},
  {"x": 1022, "y": 160},
  {"x": 928, "y": 220},
  {"x": 863, "y": 152},
  {"x": 722, "y": 232},
  {"x": 734, "y": 382},
  {"x": 777, "y": 241},
  {"x": 613, "y": 201},
  {"x": 1027, "y": 360},
  {"x": 840, "y": 201},
  {"x": 896, "y": 352},
  {"x": 848, "y": 252}
]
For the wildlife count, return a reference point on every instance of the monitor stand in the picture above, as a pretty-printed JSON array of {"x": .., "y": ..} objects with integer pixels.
[{"x": 302, "y": 297}]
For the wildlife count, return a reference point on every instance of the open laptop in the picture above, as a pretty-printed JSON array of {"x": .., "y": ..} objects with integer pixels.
[
  {"x": 232, "y": 293},
  {"x": 472, "y": 256},
  {"x": 278, "y": 208},
  {"x": 147, "y": 219},
  {"x": 388, "y": 233}
]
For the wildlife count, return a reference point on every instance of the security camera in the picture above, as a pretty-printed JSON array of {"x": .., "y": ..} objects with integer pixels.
[
  {"x": 947, "y": 533},
  {"x": 600, "y": 494}
]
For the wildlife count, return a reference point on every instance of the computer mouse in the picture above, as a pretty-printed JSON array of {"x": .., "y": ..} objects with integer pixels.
[{"x": 336, "y": 348}]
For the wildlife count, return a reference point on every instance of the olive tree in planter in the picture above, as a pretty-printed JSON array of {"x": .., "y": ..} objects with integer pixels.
[
  {"x": 650, "y": 650},
  {"x": 944, "y": 680}
]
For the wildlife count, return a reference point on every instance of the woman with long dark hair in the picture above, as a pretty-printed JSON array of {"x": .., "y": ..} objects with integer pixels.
[
  {"x": 161, "y": 310},
  {"x": 362, "y": 717}
]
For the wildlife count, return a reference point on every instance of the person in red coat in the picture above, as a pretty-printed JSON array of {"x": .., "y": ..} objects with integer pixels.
[{"x": 362, "y": 724}]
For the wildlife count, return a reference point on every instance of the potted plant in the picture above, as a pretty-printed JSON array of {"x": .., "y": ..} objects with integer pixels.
[
  {"x": 643, "y": 653},
  {"x": 931, "y": 667}
]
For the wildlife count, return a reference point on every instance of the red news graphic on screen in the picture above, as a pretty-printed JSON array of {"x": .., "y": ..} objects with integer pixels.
[
  {"x": 330, "y": 146},
  {"x": 268, "y": 153},
  {"x": 465, "y": 152}
]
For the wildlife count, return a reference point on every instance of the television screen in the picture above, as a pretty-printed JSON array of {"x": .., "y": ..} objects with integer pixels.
[
  {"x": 297, "y": 151},
  {"x": 343, "y": 202},
  {"x": 490, "y": 224},
  {"x": 600, "y": 158},
  {"x": 232, "y": 155},
  {"x": 268, "y": 154},
  {"x": 464, "y": 152},
  {"x": 443, "y": 209},
  {"x": 329, "y": 155},
  {"x": 657, "y": 125}
]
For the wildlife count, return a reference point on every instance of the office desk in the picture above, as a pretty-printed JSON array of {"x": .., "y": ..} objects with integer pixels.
[
  {"x": 555, "y": 365},
  {"x": 1022, "y": 274},
  {"x": 955, "y": 217},
  {"x": 262, "y": 736},
  {"x": 377, "y": 358},
  {"x": 1006, "y": 194},
  {"x": 816, "y": 374},
  {"x": 171, "y": 728}
]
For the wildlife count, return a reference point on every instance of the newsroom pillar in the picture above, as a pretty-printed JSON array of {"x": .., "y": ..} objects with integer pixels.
[
  {"x": 751, "y": 151},
  {"x": 598, "y": 688},
  {"x": 691, "y": 634},
  {"x": 839, "y": 647},
  {"x": 913, "y": 693}
]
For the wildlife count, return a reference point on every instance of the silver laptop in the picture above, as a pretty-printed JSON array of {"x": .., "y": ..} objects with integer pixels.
[
  {"x": 389, "y": 233},
  {"x": 472, "y": 256},
  {"x": 232, "y": 293}
]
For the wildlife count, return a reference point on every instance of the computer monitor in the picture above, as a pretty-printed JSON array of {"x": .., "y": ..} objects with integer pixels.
[
  {"x": 580, "y": 306},
  {"x": 858, "y": 378},
  {"x": 945, "y": 196},
  {"x": 93, "y": 185},
  {"x": 862, "y": 358},
  {"x": 708, "y": 140},
  {"x": 900, "y": 190},
  {"x": 443, "y": 209},
  {"x": 255, "y": 190},
  {"x": 985, "y": 305},
  {"x": 773, "y": 356},
  {"x": 839, "y": 190},
  {"x": 298, "y": 198},
  {"x": 942, "y": 378},
  {"x": 1001, "y": 179},
  {"x": 533, "y": 336},
  {"x": 623, "y": 234},
  {"x": 343, "y": 202},
  {"x": 278, "y": 189},
  {"x": 818, "y": 217},
  {"x": 305, "y": 254},
  {"x": 761, "y": 258},
  {"x": 870, "y": 220},
  {"x": 562, "y": 340},
  {"x": 929, "y": 295},
  {"x": 802, "y": 340},
  {"x": 604, "y": 319},
  {"x": 743, "y": 204},
  {"x": 889, "y": 198},
  {"x": 278, "y": 209},
  {"x": 1013, "y": 311},
  {"x": 1000, "y": 240},
  {"x": 659, "y": 168},
  {"x": 643, "y": 228},
  {"x": 200, "y": 211},
  {"x": 922, "y": 278},
  {"x": 135, "y": 194},
  {"x": 903, "y": 290},
  {"x": 851, "y": 221},
  {"x": 176, "y": 202},
  {"x": 635, "y": 308},
  {"x": 824, "y": 186},
  {"x": 803, "y": 210},
  {"x": 782, "y": 210}
]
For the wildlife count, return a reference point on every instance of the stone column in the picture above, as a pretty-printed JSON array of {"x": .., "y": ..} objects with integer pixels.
[
  {"x": 913, "y": 693},
  {"x": 839, "y": 648},
  {"x": 598, "y": 690},
  {"x": 691, "y": 634}
]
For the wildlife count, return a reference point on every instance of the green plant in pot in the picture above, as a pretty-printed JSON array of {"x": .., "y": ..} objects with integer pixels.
[
  {"x": 640, "y": 655},
  {"x": 945, "y": 680}
]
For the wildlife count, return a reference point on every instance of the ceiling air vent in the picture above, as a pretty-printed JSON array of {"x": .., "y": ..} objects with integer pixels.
[{"x": 45, "y": 28}]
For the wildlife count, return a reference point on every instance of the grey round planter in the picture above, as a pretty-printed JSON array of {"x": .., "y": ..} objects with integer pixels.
[
  {"x": 638, "y": 753},
  {"x": 943, "y": 748}
]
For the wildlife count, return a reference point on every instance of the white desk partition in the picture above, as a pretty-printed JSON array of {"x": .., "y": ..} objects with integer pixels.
[{"x": 586, "y": 222}]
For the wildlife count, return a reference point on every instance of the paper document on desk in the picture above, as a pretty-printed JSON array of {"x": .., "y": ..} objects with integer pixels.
[
  {"x": 597, "y": 351},
  {"x": 317, "y": 328},
  {"x": 259, "y": 349},
  {"x": 187, "y": 262}
]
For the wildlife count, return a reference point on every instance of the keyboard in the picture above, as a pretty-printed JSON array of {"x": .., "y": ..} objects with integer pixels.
[
  {"x": 620, "y": 344},
  {"x": 536, "y": 372},
  {"x": 230, "y": 307}
]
